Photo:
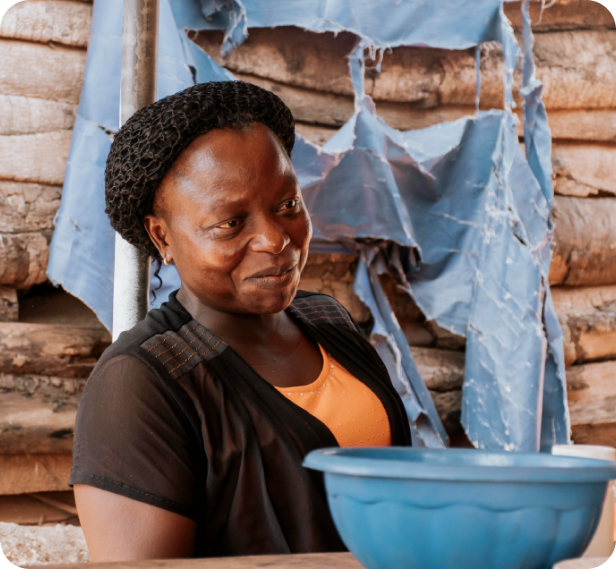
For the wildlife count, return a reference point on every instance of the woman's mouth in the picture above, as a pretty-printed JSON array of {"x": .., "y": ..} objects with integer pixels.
[{"x": 274, "y": 277}]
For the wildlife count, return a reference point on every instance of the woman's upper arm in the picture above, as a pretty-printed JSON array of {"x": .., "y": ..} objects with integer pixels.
[
  {"x": 134, "y": 466},
  {"x": 117, "y": 528}
]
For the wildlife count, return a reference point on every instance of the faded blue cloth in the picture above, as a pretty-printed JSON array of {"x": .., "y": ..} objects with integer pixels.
[{"x": 455, "y": 212}]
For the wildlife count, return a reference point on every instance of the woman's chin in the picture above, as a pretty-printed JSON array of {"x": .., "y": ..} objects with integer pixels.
[{"x": 270, "y": 300}]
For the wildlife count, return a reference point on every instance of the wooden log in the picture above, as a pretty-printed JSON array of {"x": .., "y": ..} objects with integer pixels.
[
  {"x": 41, "y": 71},
  {"x": 562, "y": 15},
  {"x": 27, "y": 207},
  {"x": 50, "y": 349},
  {"x": 334, "y": 275},
  {"x": 588, "y": 318},
  {"x": 591, "y": 392},
  {"x": 332, "y": 110},
  {"x": 443, "y": 373},
  {"x": 30, "y": 510},
  {"x": 23, "y": 259},
  {"x": 62, "y": 391},
  {"x": 328, "y": 110},
  {"x": 58, "y": 21},
  {"x": 290, "y": 56},
  {"x": 27, "y": 473},
  {"x": 585, "y": 237},
  {"x": 32, "y": 425},
  {"x": 441, "y": 370},
  {"x": 583, "y": 124},
  {"x": 287, "y": 55},
  {"x": 584, "y": 169},
  {"x": 25, "y": 115},
  {"x": 37, "y": 158},
  {"x": 9, "y": 306},
  {"x": 577, "y": 68}
]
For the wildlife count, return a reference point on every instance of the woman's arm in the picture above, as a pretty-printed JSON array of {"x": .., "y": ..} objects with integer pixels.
[{"x": 117, "y": 528}]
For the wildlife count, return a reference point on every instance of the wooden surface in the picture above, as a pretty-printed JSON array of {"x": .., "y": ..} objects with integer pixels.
[
  {"x": 304, "y": 561},
  {"x": 308, "y": 561}
]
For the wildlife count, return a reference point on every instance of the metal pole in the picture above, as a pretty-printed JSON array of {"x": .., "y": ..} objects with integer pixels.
[{"x": 131, "y": 283}]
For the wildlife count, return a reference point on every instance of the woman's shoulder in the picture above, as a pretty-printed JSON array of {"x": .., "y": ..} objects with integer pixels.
[
  {"x": 167, "y": 344},
  {"x": 124, "y": 360}
]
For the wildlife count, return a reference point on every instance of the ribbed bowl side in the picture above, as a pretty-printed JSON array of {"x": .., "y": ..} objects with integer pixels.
[{"x": 407, "y": 524}]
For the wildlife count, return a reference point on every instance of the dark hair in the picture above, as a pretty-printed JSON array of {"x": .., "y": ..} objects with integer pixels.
[{"x": 150, "y": 141}]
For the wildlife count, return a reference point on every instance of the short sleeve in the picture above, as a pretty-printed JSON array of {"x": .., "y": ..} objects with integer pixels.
[{"x": 130, "y": 438}]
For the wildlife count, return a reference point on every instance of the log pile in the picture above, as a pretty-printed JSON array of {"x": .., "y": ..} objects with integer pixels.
[
  {"x": 44, "y": 360},
  {"x": 47, "y": 351}
]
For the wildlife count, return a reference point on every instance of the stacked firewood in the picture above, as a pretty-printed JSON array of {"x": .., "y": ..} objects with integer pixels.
[{"x": 49, "y": 341}]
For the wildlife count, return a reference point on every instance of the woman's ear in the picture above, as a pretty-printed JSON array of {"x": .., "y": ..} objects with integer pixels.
[{"x": 157, "y": 230}]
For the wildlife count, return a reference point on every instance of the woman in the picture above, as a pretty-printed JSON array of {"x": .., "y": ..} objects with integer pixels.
[{"x": 192, "y": 429}]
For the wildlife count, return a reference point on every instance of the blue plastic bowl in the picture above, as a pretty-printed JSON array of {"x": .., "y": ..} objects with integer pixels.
[{"x": 462, "y": 509}]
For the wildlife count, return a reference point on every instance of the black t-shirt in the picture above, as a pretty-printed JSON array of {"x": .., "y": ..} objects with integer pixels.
[{"x": 173, "y": 417}]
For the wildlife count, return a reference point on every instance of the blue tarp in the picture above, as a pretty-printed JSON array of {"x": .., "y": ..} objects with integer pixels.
[{"x": 456, "y": 212}]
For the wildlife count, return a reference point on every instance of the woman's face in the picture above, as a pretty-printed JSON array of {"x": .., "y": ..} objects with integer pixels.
[{"x": 230, "y": 215}]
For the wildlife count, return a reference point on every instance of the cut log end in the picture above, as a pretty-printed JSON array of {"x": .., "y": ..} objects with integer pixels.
[{"x": 9, "y": 306}]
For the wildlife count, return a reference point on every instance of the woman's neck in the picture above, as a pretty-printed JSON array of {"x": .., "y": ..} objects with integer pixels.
[{"x": 234, "y": 328}]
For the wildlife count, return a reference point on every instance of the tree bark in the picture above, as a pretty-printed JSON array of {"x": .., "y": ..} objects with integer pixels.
[
  {"x": 9, "y": 306},
  {"x": 27, "y": 207},
  {"x": 50, "y": 349},
  {"x": 23, "y": 259},
  {"x": 583, "y": 124},
  {"x": 334, "y": 275},
  {"x": 26, "y": 115},
  {"x": 41, "y": 71},
  {"x": 585, "y": 237},
  {"x": 592, "y": 403},
  {"x": 58, "y": 21},
  {"x": 441, "y": 370},
  {"x": 39, "y": 158},
  {"x": 588, "y": 318},
  {"x": 584, "y": 170}
]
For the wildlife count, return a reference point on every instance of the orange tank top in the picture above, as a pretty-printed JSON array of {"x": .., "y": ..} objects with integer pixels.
[{"x": 353, "y": 413}]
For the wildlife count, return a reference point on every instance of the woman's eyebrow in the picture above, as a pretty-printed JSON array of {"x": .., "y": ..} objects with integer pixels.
[{"x": 289, "y": 182}]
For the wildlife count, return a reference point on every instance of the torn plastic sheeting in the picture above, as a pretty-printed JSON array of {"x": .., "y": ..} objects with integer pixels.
[
  {"x": 538, "y": 142},
  {"x": 448, "y": 24},
  {"x": 479, "y": 221},
  {"x": 456, "y": 195}
]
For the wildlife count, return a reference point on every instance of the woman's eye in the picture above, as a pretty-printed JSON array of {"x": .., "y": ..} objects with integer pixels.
[
  {"x": 232, "y": 224},
  {"x": 290, "y": 204}
]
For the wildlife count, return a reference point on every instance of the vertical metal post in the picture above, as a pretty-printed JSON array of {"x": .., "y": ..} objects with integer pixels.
[{"x": 131, "y": 286}]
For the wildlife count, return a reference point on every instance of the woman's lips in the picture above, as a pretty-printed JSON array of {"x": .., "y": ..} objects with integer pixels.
[{"x": 275, "y": 279}]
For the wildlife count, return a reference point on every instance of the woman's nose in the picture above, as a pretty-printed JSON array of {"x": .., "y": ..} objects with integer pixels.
[{"x": 270, "y": 237}]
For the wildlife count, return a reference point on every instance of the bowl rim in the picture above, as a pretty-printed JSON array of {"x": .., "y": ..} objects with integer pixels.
[{"x": 336, "y": 460}]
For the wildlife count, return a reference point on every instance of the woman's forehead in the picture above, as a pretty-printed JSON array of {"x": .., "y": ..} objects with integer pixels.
[
  {"x": 223, "y": 153},
  {"x": 231, "y": 162}
]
